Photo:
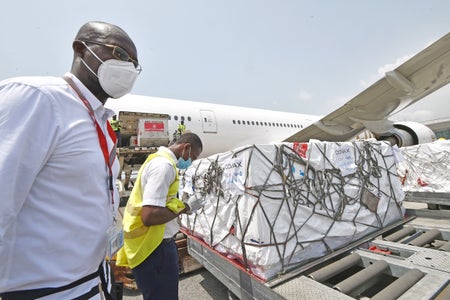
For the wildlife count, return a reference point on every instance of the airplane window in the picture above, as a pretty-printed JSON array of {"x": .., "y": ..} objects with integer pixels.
[
  {"x": 182, "y": 118},
  {"x": 257, "y": 123},
  {"x": 265, "y": 123},
  {"x": 234, "y": 121},
  {"x": 243, "y": 122},
  {"x": 301, "y": 126},
  {"x": 253, "y": 122},
  {"x": 175, "y": 118},
  {"x": 278, "y": 125},
  {"x": 170, "y": 117},
  {"x": 189, "y": 119},
  {"x": 248, "y": 122}
]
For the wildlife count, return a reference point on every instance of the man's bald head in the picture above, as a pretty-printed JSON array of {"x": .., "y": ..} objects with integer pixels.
[{"x": 104, "y": 33}]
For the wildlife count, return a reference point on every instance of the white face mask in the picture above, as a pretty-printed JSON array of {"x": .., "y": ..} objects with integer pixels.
[{"x": 116, "y": 77}]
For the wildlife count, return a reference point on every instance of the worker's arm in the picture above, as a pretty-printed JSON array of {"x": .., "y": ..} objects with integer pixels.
[
  {"x": 156, "y": 179},
  {"x": 155, "y": 215}
]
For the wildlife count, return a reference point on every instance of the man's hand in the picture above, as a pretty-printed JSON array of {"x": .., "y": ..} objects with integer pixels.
[{"x": 192, "y": 203}]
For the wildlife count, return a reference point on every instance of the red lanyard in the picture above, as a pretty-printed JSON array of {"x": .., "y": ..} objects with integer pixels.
[{"x": 109, "y": 156}]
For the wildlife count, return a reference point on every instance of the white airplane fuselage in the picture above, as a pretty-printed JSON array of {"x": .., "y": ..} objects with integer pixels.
[{"x": 220, "y": 127}]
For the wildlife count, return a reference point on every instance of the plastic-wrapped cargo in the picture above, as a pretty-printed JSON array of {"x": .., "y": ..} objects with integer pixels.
[
  {"x": 275, "y": 207},
  {"x": 426, "y": 167}
]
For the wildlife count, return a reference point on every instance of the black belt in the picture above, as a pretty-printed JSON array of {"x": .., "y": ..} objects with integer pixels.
[{"x": 42, "y": 292}]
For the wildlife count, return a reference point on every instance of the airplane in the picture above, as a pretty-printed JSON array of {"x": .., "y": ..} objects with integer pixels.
[{"x": 224, "y": 127}]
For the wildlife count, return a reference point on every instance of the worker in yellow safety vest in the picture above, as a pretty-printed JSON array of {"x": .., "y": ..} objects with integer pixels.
[
  {"x": 181, "y": 127},
  {"x": 116, "y": 126},
  {"x": 150, "y": 219}
]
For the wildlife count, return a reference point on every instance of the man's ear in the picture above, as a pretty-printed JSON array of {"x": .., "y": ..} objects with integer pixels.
[
  {"x": 188, "y": 148},
  {"x": 78, "y": 48}
]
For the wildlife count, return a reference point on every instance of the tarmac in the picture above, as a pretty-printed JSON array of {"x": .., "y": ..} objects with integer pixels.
[{"x": 196, "y": 285}]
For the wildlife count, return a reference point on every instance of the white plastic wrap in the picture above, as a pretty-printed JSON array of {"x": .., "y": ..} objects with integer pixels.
[
  {"x": 426, "y": 167},
  {"x": 273, "y": 207}
]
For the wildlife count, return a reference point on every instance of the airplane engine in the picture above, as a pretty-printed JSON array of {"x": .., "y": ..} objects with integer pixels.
[{"x": 408, "y": 134}]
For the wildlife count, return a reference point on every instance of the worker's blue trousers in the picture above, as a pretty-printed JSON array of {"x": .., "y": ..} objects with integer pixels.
[{"x": 157, "y": 275}]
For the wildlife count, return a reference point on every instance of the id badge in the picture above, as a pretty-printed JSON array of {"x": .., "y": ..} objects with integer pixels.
[{"x": 115, "y": 240}]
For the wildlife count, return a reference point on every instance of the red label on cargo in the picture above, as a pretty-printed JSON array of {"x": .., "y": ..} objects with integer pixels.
[
  {"x": 300, "y": 148},
  {"x": 154, "y": 126}
]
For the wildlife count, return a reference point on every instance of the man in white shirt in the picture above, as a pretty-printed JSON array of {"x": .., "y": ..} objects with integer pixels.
[{"x": 57, "y": 165}]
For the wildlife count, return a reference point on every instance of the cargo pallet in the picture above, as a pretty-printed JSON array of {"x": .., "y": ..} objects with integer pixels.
[{"x": 406, "y": 260}]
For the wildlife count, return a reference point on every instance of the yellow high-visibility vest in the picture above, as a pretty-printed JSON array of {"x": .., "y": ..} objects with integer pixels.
[
  {"x": 115, "y": 125},
  {"x": 181, "y": 128},
  {"x": 139, "y": 240}
]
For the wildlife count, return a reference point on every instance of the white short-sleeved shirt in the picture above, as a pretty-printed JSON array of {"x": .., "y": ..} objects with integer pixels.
[
  {"x": 55, "y": 202},
  {"x": 156, "y": 179}
]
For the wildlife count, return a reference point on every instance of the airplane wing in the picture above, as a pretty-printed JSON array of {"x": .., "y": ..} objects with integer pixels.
[{"x": 421, "y": 75}]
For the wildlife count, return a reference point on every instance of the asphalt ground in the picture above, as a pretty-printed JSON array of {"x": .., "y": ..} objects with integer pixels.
[{"x": 196, "y": 285}]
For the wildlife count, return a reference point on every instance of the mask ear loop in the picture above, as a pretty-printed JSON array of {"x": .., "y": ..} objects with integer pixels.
[
  {"x": 92, "y": 52},
  {"x": 95, "y": 55},
  {"x": 89, "y": 68}
]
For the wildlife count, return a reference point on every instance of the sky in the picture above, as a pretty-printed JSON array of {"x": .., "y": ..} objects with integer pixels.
[{"x": 288, "y": 55}]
